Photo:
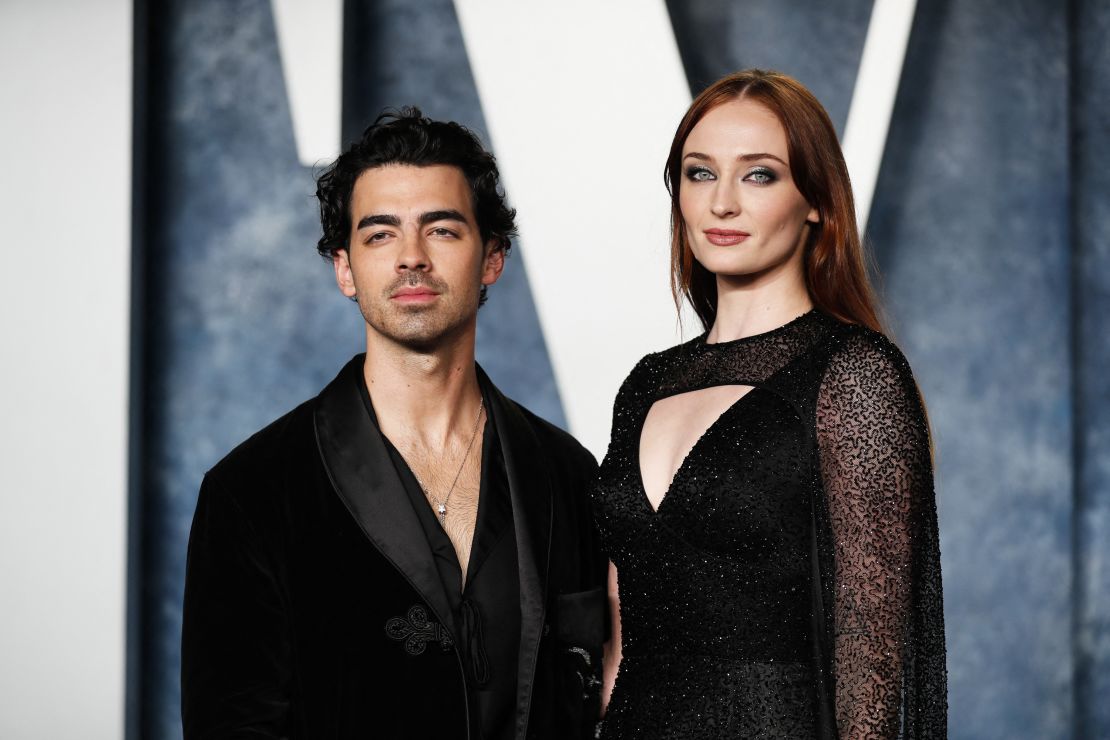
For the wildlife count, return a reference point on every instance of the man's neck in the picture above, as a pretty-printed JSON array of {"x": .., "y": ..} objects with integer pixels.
[{"x": 425, "y": 397}]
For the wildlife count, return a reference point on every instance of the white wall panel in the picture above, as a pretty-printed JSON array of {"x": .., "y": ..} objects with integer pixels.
[
  {"x": 65, "y": 146},
  {"x": 582, "y": 99},
  {"x": 311, "y": 40},
  {"x": 880, "y": 72}
]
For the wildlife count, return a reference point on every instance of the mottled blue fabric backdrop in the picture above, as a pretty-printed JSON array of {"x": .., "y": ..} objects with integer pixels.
[
  {"x": 1090, "y": 202},
  {"x": 990, "y": 228},
  {"x": 973, "y": 245}
]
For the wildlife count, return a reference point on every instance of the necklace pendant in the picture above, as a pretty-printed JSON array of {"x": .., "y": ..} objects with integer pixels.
[{"x": 442, "y": 511}]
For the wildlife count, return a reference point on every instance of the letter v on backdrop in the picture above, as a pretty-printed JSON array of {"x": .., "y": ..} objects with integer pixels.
[{"x": 581, "y": 112}]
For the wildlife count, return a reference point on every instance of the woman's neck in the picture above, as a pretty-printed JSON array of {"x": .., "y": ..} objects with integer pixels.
[{"x": 745, "y": 309}]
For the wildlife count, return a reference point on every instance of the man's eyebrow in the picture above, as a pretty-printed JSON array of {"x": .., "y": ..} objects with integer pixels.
[
  {"x": 378, "y": 219},
  {"x": 742, "y": 158},
  {"x": 446, "y": 214}
]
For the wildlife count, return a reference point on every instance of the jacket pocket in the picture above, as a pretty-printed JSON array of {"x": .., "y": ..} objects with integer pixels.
[
  {"x": 580, "y": 618},
  {"x": 579, "y": 630}
]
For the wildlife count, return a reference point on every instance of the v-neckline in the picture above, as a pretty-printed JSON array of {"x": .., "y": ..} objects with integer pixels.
[{"x": 642, "y": 490}]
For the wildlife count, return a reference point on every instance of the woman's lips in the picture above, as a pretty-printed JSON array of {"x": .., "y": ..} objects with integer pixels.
[{"x": 725, "y": 237}]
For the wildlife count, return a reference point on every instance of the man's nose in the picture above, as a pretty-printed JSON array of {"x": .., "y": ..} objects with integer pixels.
[{"x": 413, "y": 254}]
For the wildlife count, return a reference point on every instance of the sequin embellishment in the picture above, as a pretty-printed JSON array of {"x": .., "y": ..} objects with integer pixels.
[{"x": 788, "y": 586}]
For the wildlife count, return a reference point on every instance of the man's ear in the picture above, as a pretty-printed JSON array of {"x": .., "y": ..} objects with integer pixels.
[
  {"x": 494, "y": 263},
  {"x": 344, "y": 278}
]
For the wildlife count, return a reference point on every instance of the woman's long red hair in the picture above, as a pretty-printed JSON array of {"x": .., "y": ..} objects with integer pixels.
[{"x": 835, "y": 270}]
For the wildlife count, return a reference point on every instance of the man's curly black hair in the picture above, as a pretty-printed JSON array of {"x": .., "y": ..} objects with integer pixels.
[{"x": 408, "y": 137}]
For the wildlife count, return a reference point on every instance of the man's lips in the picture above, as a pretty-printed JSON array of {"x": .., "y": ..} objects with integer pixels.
[
  {"x": 725, "y": 237},
  {"x": 415, "y": 294}
]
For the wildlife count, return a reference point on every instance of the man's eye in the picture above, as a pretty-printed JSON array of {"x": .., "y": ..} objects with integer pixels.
[
  {"x": 698, "y": 174},
  {"x": 377, "y": 236},
  {"x": 761, "y": 176},
  {"x": 441, "y": 231}
]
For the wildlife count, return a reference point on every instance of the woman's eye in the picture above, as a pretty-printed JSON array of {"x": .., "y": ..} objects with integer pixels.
[
  {"x": 761, "y": 176},
  {"x": 698, "y": 174}
]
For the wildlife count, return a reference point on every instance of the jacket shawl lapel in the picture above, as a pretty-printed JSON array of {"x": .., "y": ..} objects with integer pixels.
[
  {"x": 363, "y": 475},
  {"x": 530, "y": 492}
]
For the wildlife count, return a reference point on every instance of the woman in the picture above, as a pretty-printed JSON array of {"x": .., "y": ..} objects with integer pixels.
[{"x": 767, "y": 497}]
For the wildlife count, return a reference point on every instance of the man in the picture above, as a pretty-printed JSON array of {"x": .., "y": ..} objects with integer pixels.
[{"x": 410, "y": 554}]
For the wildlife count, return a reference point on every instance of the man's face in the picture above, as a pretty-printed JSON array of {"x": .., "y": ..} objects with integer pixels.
[{"x": 415, "y": 259}]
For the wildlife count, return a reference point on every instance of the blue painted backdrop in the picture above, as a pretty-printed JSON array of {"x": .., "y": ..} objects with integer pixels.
[
  {"x": 990, "y": 227},
  {"x": 1089, "y": 124}
]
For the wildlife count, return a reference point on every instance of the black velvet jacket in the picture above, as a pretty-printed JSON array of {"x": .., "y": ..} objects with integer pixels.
[{"x": 313, "y": 608}]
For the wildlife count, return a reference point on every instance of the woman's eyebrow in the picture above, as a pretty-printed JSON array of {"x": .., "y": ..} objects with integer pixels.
[
  {"x": 741, "y": 158},
  {"x": 759, "y": 155}
]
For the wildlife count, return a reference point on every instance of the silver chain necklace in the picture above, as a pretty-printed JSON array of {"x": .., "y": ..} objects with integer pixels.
[{"x": 441, "y": 506}]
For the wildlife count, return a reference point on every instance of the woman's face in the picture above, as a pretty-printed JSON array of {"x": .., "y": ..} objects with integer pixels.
[{"x": 744, "y": 216}]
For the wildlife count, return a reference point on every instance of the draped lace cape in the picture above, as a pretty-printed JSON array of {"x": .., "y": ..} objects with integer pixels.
[{"x": 789, "y": 583}]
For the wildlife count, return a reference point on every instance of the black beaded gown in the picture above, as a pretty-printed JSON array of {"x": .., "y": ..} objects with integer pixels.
[{"x": 788, "y": 586}]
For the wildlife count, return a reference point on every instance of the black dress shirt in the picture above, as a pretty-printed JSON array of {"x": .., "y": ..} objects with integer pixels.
[{"x": 486, "y": 608}]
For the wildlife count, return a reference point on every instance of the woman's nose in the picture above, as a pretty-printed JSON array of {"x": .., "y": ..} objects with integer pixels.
[{"x": 725, "y": 202}]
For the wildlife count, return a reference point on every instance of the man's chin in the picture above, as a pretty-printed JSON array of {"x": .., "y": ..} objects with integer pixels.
[
  {"x": 423, "y": 338},
  {"x": 419, "y": 329}
]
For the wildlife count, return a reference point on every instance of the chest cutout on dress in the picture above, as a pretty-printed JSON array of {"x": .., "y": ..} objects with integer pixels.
[{"x": 672, "y": 429}]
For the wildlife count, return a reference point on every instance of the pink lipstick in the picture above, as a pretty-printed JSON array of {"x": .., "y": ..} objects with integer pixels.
[{"x": 725, "y": 237}]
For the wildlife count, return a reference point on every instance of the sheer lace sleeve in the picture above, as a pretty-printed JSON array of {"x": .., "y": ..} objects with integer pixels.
[{"x": 888, "y": 623}]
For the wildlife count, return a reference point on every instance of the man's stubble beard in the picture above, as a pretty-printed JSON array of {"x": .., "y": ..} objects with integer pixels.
[{"x": 419, "y": 328}]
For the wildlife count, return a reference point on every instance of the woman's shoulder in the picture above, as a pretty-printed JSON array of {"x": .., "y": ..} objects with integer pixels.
[
  {"x": 866, "y": 358},
  {"x": 646, "y": 376},
  {"x": 848, "y": 341},
  {"x": 653, "y": 364},
  {"x": 868, "y": 392}
]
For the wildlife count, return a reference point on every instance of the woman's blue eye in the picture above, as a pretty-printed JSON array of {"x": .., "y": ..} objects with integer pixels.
[
  {"x": 761, "y": 176},
  {"x": 698, "y": 174}
]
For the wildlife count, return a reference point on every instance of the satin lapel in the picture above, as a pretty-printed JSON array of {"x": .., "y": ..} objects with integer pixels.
[
  {"x": 530, "y": 492},
  {"x": 363, "y": 475}
]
